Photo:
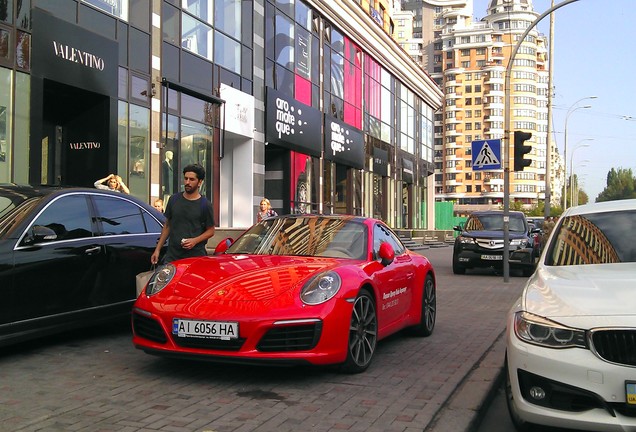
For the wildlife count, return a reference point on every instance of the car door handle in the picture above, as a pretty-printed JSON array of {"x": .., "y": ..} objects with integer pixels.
[{"x": 92, "y": 251}]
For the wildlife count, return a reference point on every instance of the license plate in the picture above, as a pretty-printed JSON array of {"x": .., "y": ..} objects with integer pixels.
[
  {"x": 492, "y": 257},
  {"x": 205, "y": 329},
  {"x": 630, "y": 389}
]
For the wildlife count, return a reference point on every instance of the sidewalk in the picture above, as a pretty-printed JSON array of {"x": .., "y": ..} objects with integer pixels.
[
  {"x": 466, "y": 406},
  {"x": 99, "y": 382}
]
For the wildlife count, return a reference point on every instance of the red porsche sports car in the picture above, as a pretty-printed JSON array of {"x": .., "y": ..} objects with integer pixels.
[{"x": 298, "y": 289}]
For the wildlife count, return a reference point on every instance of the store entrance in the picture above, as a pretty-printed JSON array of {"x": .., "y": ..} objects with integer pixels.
[{"x": 75, "y": 135}]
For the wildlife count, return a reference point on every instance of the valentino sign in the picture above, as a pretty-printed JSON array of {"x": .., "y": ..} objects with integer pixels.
[
  {"x": 78, "y": 56},
  {"x": 91, "y": 145}
]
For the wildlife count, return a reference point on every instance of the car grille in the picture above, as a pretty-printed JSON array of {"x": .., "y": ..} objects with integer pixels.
[
  {"x": 615, "y": 346},
  {"x": 291, "y": 338},
  {"x": 209, "y": 343},
  {"x": 490, "y": 243},
  {"x": 148, "y": 328}
]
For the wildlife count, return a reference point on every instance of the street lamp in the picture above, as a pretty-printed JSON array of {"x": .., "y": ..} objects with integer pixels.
[
  {"x": 580, "y": 182},
  {"x": 578, "y": 146},
  {"x": 574, "y": 183},
  {"x": 575, "y": 106}
]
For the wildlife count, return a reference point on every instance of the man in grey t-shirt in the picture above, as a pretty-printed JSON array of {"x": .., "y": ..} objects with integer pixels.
[{"x": 189, "y": 220}]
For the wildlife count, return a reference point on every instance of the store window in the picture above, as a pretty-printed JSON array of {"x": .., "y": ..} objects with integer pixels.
[
  {"x": 133, "y": 146},
  {"x": 138, "y": 151},
  {"x": 6, "y": 85},
  {"x": 406, "y": 120},
  {"x": 21, "y": 126}
]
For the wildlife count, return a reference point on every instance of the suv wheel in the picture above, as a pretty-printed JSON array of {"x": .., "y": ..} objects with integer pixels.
[{"x": 457, "y": 267}]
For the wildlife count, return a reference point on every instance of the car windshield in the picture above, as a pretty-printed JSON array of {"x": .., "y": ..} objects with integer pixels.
[
  {"x": 494, "y": 222},
  {"x": 305, "y": 236},
  {"x": 595, "y": 238}
]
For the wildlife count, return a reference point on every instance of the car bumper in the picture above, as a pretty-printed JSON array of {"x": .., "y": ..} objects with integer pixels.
[
  {"x": 318, "y": 339},
  {"x": 581, "y": 390},
  {"x": 494, "y": 258}
]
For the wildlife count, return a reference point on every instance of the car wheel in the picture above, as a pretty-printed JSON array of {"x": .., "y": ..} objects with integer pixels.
[
  {"x": 457, "y": 267},
  {"x": 429, "y": 310},
  {"x": 363, "y": 334},
  {"x": 520, "y": 424}
]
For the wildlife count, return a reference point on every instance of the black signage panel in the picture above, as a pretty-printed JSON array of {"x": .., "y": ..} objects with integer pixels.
[
  {"x": 69, "y": 54},
  {"x": 407, "y": 170},
  {"x": 380, "y": 162},
  {"x": 344, "y": 144},
  {"x": 291, "y": 124}
]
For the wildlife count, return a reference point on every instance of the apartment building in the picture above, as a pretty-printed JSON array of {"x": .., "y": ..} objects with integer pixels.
[{"x": 467, "y": 58}]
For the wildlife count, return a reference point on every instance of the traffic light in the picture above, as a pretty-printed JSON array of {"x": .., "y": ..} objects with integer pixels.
[{"x": 521, "y": 149}]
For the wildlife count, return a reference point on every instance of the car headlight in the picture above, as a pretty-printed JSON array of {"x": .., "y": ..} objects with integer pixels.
[
  {"x": 522, "y": 243},
  {"x": 160, "y": 279},
  {"x": 543, "y": 332},
  {"x": 321, "y": 288},
  {"x": 463, "y": 239}
]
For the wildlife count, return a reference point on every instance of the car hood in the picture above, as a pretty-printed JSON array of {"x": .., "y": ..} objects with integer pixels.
[
  {"x": 584, "y": 295},
  {"x": 245, "y": 277},
  {"x": 493, "y": 234}
]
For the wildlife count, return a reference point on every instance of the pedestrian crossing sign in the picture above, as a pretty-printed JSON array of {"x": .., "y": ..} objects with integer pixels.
[{"x": 486, "y": 154}]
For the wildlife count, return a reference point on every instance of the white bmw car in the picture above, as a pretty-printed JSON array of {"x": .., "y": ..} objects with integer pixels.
[{"x": 571, "y": 336}]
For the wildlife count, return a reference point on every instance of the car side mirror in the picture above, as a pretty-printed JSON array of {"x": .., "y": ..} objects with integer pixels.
[
  {"x": 39, "y": 233},
  {"x": 223, "y": 246},
  {"x": 386, "y": 253}
]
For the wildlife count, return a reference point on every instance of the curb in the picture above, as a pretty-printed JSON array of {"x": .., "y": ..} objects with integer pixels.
[{"x": 466, "y": 407}]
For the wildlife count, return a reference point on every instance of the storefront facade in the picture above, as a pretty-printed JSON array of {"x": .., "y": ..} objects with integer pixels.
[{"x": 310, "y": 104}]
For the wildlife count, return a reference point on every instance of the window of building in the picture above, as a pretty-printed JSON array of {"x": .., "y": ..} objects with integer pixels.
[
  {"x": 116, "y": 8},
  {"x": 196, "y": 36}
]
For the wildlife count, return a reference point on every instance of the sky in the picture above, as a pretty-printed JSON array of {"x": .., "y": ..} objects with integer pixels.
[{"x": 593, "y": 56}]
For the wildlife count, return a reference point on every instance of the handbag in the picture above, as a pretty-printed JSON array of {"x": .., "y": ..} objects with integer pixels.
[{"x": 142, "y": 279}]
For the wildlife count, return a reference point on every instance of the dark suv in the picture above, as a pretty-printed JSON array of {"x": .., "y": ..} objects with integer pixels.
[{"x": 480, "y": 242}]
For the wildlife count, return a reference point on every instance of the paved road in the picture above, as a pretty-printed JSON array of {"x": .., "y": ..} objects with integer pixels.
[{"x": 97, "y": 381}]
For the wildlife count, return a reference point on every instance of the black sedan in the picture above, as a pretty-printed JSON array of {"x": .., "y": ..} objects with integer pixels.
[{"x": 68, "y": 257}]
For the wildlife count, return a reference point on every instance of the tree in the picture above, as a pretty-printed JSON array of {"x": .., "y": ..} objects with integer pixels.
[{"x": 621, "y": 184}]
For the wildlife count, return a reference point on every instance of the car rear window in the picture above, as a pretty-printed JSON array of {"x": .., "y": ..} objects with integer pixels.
[{"x": 595, "y": 238}]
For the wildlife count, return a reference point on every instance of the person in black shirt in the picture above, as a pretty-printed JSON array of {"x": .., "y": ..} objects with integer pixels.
[{"x": 189, "y": 220}]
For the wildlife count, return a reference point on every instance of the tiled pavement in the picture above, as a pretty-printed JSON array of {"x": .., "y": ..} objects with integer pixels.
[{"x": 99, "y": 382}]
